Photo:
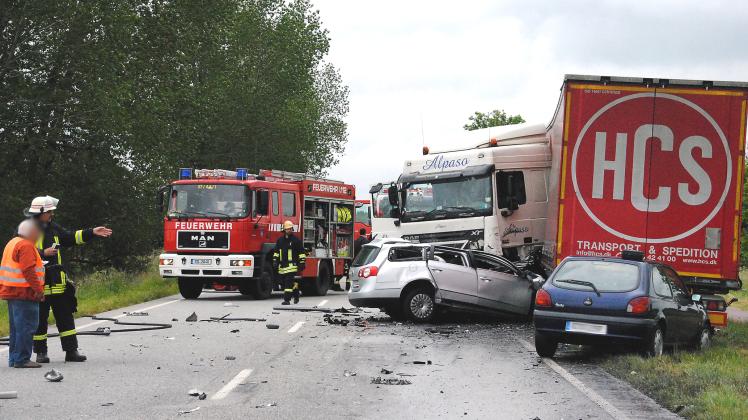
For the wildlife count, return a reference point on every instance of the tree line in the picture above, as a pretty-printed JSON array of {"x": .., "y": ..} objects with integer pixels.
[{"x": 101, "y": 102}]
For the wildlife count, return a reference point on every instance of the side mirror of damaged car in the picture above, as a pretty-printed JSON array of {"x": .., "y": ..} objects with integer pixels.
[{"x": 535, "y": 280}]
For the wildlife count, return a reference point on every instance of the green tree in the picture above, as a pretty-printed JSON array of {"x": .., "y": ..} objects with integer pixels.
[
  {"x": 494, "y": 118},
  {"x": 101, "y": 102}
]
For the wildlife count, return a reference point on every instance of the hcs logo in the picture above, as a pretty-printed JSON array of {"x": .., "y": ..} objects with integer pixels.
[{"x": 646, "y": 181}]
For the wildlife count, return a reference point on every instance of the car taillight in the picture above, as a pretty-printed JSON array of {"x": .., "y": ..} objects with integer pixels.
[
  {"x": 715, "y": 305},
  {"x": 638, "y": 305},
  {"x": 367, "y": 272},
  {"x": 543, "y": 299}
]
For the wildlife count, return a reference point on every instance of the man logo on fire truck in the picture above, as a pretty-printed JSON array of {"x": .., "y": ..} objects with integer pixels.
[{"x": 637, "y": 159}]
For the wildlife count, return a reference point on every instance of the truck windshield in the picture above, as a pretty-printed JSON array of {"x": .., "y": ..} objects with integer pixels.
[
  {"x": 209, "y": 200},
  {"x": 381, "y": 204},
  {"x": 362, "y": 214},
  {"x": 448, "y": 199},
  {"x": 605, "y": 276}
]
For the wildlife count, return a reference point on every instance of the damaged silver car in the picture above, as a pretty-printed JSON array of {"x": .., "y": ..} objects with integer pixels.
[{"x": 412, "y": 280}]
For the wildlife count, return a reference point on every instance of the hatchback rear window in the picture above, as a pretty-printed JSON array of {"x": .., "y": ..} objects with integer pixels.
[
  {"x": 606, "y": 276},
  {"x": 366, "y": 256}
]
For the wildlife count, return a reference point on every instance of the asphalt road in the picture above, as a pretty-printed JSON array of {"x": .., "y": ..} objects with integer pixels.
[{"x": 311, "y": 369}]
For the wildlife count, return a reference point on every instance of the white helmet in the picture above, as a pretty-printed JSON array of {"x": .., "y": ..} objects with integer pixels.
[{"x": 44, "y": 204}]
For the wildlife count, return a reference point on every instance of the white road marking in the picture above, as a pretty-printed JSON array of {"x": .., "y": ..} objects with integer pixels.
[
  {"x": 296, "y": 327},
  {"x": 223, "y": 392},
  {"x": 91, "y": 324},
  {"x": 321, "y": 304},
  {"x": 576, "y": 383}
]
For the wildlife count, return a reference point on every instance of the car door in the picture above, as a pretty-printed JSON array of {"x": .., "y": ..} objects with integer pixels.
[
  {"x": 662, "y": 299},
  {"x": 500, "y": 285},
  {"x": 689, "y": 314},
  {"x": 456, "y": 280}
]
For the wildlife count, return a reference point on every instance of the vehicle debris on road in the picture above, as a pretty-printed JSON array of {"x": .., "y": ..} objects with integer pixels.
[
  {"x": 348, "y": 373},
  {"x": 197, "y": 393},
  {"x": 272, "y": 404},
  {"x": 272, "y": 326},
  {"x": 192, "y": 318},
  {"x": 8, "y": 395},
  {"x": 135, "y": 313},
  {"x": 302, "y": 309},
  {"x": 188, "y": 411},
  {"x": 54, "y": 375},
  {"x": 420, "y": 362},
  {"x": 389, "y": 381},
  {"x": 230, "y": 357},
  {"x": 385, "y": 371}
]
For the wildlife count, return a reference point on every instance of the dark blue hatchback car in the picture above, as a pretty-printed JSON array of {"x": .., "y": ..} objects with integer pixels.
[{"x": 611, "y": 301}]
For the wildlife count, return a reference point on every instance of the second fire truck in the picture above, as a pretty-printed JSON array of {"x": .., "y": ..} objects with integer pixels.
[{"x": 220, "y": 228}]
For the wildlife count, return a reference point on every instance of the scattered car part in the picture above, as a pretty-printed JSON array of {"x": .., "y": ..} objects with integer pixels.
[
  {"x": 272, "y": 326},
  {"x": 197, "y": 393},
  {"x": 8, "y": 395},
  {"x": 188, "y": 411},
  {"x": 54, "y": 375},
  {"x": 136, "y": 313},
  {"x": 230, "y": 357},
  {"x": 237, "y": 319},
  {"x": 272, "y": 404},
  {"x": 192, "y": 318},
  {"x": 389, "y": 381},
  {"x": 348, "y": 373},
  {"x": 386, "y": 371},
  {"x": 302, "y": 308}
]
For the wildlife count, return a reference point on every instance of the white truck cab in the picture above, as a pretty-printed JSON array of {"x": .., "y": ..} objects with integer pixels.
[{"x": 491, "y": 195}]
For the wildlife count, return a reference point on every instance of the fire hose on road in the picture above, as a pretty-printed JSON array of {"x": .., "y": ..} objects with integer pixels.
[{"x": 106, "y": 331}]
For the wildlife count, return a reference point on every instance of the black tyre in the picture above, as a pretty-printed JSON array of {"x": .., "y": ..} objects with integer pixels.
[
  {"x": 418, "y": 305},
  {"x": 703, "y": 338},
  {"x": 190, "y": 288},
  {"x": 544, "y": 345},
  {"x": 654, "y": 344},
  {"x": 320, "y": 285},
  {"x": 262, "y": 287}
]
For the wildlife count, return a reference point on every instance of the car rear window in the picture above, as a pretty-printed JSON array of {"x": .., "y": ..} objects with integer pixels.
[
  {"x": 366, "y": 256},
  {"x": 607, "y": 276}
]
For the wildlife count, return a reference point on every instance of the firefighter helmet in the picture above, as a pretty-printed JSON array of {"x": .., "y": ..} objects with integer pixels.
[
  {"x": 44, "y": 204},
  {"x": 287, "y": 225}
]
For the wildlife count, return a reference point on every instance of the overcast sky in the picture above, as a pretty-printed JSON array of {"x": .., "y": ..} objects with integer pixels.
[{"x": 431, "y": 64}]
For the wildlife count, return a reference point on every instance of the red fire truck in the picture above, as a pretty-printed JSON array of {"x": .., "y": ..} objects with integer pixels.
[{"x": 220, "y": 228}]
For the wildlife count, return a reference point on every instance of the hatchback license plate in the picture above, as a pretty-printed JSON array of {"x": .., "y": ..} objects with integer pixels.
[
  {"x": 584, "y": 327},
  {"x": 201, "y": 261}
]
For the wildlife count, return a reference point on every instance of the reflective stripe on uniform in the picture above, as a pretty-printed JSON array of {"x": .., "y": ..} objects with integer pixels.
[
  {"x": 67, "y": 333},
  {"x": 79, "y": 237},
  {"x": 288, "y": 290},
  {"x": 11, "y": 272},
  {"x": 10, "y": 269},
  {"x": 291, "y": 268},
  {"x": 40, "y": 337},
  {"x": 6, "y": 279}
]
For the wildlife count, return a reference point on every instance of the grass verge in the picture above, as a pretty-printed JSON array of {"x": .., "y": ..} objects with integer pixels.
[
  {"x": 104, "y": 291},
  {"x": 698, "y": 385}
]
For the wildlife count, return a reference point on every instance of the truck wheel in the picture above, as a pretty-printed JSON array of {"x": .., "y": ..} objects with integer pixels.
[
  {"x": 190, "y": 288},
  {"x": 262, "y": 287},
  {"x": 654, "y": 344},
  {"x": 419, "y": 305},
  {"x": 321, "y": 284},
  {"x": 544, "y": 345}
]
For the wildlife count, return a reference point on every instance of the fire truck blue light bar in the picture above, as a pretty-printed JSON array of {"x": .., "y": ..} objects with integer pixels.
[
  {"x": 185, "y": 173},
  {"x": 241, "y": 173}
]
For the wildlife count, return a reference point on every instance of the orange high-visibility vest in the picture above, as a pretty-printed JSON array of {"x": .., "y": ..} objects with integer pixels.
[{"x": 11, "y": 272}]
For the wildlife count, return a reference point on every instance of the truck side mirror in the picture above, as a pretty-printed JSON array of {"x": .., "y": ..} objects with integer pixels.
[
  {"x": 392, "y": 196},
  {"x": 376, "y": 188},
  {"x": 160, "y": 198}
]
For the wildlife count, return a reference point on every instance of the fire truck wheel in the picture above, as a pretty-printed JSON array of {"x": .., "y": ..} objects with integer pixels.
[
  {"x": 320, "y": 285},
  {"x": 190, "y": 288},
  {"x": 262, "y": 287}
]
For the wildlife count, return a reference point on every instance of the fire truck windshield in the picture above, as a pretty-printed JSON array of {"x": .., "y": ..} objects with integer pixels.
[
  {"x": 448, "y": 199},
  {"x": 209, "y": 200}
]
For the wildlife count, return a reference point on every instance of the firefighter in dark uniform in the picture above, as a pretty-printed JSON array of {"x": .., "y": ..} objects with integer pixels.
[
  {"x": 289, "y": 259},
  {"x": 59, "y": 291}
]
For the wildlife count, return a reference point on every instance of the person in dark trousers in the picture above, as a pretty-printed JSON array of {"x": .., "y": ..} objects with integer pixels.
[
  {"x": 59, "y": 291},
  {"x": 289, "y": 259},
  {"x": 360, "y": 241},
  {"x": 22, "y": 285}
]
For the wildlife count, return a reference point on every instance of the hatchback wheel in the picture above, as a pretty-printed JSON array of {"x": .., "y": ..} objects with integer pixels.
[
  {"x": 655, "y": 343},
  {"x": 704, "y": 339},
  {"x": 544, "y": 345},
  {"x": 419, "y": 305}
]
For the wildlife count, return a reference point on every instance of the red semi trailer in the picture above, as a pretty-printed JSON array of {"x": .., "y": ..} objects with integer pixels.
[
  {"x": 651, "y": 165},
  {"x": 220, "y": 228}
]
